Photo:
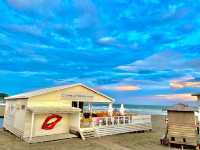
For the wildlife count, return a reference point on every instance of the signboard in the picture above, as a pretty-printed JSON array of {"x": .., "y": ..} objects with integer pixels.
[{"x": 77, "y": 97}]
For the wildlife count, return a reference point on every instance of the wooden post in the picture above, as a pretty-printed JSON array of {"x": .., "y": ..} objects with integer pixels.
[
  {"x": 89, "y": 107},
  {"x": 117, "y": 120},
  {"x": 106, "y": 121},
  {"x": 77, "y": 104},
  {"x": 93, "y": 123},
  {"x": 182, "y": 147},
  {"x": 32, "y": 125},
  {"x": 113, "y": 120},
  {"x": 132, "y": 122},
  {"x": 100, "y": 122},
  {"x": 79, "y": 121}
]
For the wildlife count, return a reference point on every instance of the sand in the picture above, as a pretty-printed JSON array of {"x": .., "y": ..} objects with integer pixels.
[{"x": 129, "y": 141}]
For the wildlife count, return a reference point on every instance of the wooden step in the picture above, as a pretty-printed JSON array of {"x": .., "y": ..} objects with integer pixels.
[{"x": 88, "y": 133}]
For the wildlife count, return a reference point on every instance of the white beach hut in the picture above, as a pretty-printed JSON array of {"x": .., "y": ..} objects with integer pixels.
[{"x": 49, "y": 114}]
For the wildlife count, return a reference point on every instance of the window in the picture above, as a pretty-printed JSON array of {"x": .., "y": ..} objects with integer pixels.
[
  {"x": 77, "y": 104},
  {"x": 172, "y": 138},
  {"x": 11, "y": 109},
  {"x": 23, "y": 107}
]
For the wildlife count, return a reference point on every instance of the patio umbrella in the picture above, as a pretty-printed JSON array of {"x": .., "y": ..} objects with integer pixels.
[
  {"x": 122, "y": 109},
  {"x": 110, "y": 109}
]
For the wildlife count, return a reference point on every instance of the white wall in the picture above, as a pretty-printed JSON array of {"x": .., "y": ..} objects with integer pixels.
[
  {"x": 9, "y": 113},
  {"x": 19, "y": 120},
  {"x": 14, "y": 117},
  {"x": 61, "y": 127},
  {"x": 74, "y": 120}
]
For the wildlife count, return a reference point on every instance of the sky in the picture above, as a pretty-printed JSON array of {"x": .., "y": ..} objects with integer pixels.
[{"x": 136, "y": 51}]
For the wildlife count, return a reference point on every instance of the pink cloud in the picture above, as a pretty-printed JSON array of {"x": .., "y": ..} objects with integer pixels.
[
  {"x": 120, "y": 87},
  {"x": 184, "y": 82},
  {"x": 176, "y": 97}
]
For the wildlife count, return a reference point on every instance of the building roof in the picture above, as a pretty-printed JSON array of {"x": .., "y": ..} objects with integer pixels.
[
  {"x": 56, "y": 109},
  {"x": 181, "y": 107},
  {"x": 53, "y": 89},
  {"x": 196, "y": 94}
]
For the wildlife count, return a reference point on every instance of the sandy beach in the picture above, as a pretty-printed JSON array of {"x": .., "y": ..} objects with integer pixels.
[{"x": 130, "y": 141}]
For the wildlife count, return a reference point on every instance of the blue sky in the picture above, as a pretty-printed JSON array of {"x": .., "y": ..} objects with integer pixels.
[{"x": 137, "y": 51}]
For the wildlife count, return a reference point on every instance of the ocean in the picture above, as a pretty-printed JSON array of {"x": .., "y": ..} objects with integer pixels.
[
  {"x": 139, "y": 109},
  {"x": 1, "y": 122}
]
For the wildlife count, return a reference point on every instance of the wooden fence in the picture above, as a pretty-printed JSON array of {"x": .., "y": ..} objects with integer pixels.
[{"x": 118, "y": 120}]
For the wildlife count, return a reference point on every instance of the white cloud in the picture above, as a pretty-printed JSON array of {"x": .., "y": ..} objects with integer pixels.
[
  {"x": 106, "y": 40},
  {"x": 160, "y": 61},
  {"x": 176, "y": 97},
  {"x": 119, "y": 87},
  {"x": 42, "y": 7},
  {"x": 25, "y": 73},
  {"x": 184, "y": 82},
  {"x": 165, "y": 60}
]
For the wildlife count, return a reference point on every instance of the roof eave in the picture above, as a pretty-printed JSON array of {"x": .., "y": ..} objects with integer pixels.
[
  {"x": 111, "y": 99},
  {"x": 196, "y": 94},
  {"x": 51, "y": 90},
  {"x": 15, "y": 98}
]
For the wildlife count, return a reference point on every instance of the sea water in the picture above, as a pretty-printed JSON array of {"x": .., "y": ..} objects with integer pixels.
[
  {"x": 1, "y": 122},
  {"x": 139, "y": 109}
]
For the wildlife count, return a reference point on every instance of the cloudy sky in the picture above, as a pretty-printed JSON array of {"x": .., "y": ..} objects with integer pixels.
[{"x": 137, "y": 51}]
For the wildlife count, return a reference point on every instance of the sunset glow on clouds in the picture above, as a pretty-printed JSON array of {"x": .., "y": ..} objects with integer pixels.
[
  {"x": 113, "y": 46},
  {"x": 176, "y": 97},
  {"x": 180, "y": 85},
  {"x": 119, "y": 87},
  {"x": 184, "y": 83}
]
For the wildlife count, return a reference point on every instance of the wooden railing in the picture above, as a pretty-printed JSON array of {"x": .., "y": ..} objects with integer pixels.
[{"x": 120, "y": 120}]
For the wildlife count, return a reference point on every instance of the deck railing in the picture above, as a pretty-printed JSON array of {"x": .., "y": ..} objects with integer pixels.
[{"x": 120, "y": 120}]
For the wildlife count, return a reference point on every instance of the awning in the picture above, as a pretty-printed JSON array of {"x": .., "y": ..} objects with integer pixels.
[
  {"x": 40, "y": 110},
  {"x": 182, "y": 107},
  {"x": 196, "y": 94}
]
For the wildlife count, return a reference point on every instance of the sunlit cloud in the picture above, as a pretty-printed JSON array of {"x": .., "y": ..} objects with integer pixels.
[
  {"x": 119, "y": 87},
  {"x": 176, "y": 97},
  {"x": 180, "y": 85},
  {"x": 185, "y": 82}
]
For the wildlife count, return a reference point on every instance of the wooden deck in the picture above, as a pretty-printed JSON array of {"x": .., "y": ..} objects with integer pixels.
[
  {"x": 118, "y": 125},
  {"x": 50, "y": 138}
]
